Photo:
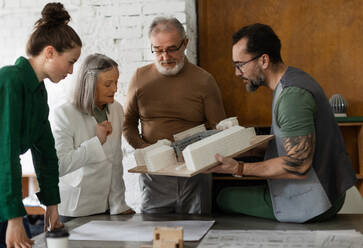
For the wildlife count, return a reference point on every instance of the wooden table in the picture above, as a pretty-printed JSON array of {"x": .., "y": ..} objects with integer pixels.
[{"x": 226, "y": 222}]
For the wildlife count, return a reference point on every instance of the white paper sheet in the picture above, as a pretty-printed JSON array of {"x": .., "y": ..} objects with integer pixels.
[
  {"x": 281, "y": 239},
  {"x": 136, "y": 231},
  {"x": 340, "y": 239}
]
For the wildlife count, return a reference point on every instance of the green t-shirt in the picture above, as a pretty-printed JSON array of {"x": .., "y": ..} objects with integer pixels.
[{"x": 295, "y": 112}]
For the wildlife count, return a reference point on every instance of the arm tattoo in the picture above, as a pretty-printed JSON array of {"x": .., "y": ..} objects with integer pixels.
[{"x": 299, "y": 153}]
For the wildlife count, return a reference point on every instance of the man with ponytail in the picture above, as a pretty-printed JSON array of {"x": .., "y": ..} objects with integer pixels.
[{"x": 52, "y": 49}]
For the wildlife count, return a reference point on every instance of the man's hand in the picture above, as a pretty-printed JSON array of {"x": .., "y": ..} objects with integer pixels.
[
  {"x": 227, "y": 166},
  {"x": 16, "y": 235},
  {"x": 51, "y": 218},
  {"x": 103, "y": 129}
]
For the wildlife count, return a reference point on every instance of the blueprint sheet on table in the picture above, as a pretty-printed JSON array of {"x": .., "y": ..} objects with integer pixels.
[
  {"x": 136, "y": 230},
  {"x": 282, "y": 239}
]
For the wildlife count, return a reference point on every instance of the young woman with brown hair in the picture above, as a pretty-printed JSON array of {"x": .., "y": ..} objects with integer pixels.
[{"x": 52, "y": 49}]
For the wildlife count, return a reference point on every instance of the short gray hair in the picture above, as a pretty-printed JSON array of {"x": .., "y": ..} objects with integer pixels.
[
  {"x": 166, "y": 24},
  {"x": 85, "y": 90}
]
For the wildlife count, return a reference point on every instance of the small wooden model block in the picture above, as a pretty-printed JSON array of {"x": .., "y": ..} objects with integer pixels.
[{"x": 168, "y": 237}]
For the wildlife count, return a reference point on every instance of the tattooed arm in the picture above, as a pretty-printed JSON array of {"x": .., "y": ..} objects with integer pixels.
[
  {"x": 295, "y": 111},
  {"x": 300, "y": 153},
  {"x": 295, "y": 165}
]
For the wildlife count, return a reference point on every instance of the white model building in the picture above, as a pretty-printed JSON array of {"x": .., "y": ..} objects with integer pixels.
[
  {"x": 232, "y": 140},
  {"x": 189, "y": 132},
  {"x": 199, "y": 154},
  {"x": 159, "y": 158},
  {"x": 139, "y": 154},
  {"x": 227, "y": 123}
]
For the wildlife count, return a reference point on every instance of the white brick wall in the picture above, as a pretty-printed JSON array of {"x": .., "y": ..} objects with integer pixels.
[{"x": 117, "y": 28}]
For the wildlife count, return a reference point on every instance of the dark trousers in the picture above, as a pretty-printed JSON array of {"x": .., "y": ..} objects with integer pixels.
[{"x": 4, "y": 225}]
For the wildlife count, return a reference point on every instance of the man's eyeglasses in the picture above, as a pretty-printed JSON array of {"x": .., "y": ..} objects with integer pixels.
[
  {"x": 168, "y": 50},
  {"x": 239, "y": 64}
]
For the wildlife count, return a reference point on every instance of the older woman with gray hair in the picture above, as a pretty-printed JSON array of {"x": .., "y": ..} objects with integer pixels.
[{"x": 87, "y": 136}]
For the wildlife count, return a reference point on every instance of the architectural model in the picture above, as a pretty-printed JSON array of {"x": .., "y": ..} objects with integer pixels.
[
  {"x": 160, "y": 157},
  {"x": 227, "y": 123},
  {"x": 201, "y": 153},
  {"x": 197, "y": 150},
  {"x": 139, "y": 154},
  {"x": 189, "y": 132},
  {"x": 180, "y": 145}
]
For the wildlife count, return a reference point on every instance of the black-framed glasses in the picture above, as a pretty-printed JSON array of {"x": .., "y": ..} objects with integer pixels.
[
  {"x": 239, "y": 64},
  {"x": 168, "y": 50}
]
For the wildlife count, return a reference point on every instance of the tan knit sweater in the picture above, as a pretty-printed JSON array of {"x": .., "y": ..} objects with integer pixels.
[{"x": 167, "y": 105}]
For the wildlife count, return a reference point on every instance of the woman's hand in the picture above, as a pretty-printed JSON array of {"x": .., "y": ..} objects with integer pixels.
[
  {"x": 51, "y": 218},
  {"x": 16, "y": 235},
  {"x": 103, "y": 129}
]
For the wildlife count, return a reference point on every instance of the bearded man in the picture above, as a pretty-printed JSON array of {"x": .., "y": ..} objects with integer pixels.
[
  {"x": 169, "y": 96},
  {"x": 306, "y": 166}
]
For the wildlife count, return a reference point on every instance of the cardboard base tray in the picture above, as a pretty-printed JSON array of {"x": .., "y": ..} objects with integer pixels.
[{"x": 180, "y": 170}]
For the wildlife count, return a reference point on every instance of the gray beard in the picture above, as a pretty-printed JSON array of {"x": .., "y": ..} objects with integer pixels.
[{"x": 170, "y": 72}]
